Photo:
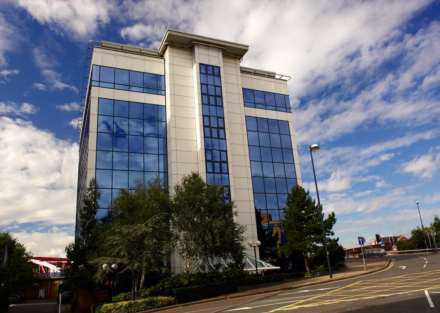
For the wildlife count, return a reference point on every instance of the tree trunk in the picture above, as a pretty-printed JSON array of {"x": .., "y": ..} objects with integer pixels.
[
  {"x": 307, "y": 263},
  {"x": 142, "y": 280}
]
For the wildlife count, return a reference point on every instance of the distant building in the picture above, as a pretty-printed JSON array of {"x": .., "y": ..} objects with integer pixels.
[
  {"x": 186, "y": 107},
  {"x": 48, "y": 275}
]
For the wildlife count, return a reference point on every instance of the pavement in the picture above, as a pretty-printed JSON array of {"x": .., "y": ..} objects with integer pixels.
[
  {"x": 34, "y": 306},
  {"x": 409, "y": 285}
]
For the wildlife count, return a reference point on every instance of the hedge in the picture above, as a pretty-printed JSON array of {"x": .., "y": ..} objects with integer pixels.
[
  {"x": 134, "y": 305},
  {"x": 186, "y": 294}
]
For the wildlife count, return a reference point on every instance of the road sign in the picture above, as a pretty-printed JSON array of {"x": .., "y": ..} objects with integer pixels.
[{"x": 361, "y": 240}]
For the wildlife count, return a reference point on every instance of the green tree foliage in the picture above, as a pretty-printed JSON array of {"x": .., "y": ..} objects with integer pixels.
[
  {"x": 205, "y": 223},
  {"x": 269, "y": 249},
  {"x": 336, "y": 252},
  {"x": 80, "y": 253},
  {"x": 435, "y": 229},
  {"x": 15, "y": 267},
  {"x": 302, "y": 225},
  {"x": 138, "y": 239}
]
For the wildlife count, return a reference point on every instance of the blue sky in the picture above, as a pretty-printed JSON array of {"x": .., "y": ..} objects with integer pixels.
[{"x": 365, "y": 86}]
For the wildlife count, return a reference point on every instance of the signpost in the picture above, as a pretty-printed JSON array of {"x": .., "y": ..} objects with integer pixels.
[{"x": 361, "y": 241}]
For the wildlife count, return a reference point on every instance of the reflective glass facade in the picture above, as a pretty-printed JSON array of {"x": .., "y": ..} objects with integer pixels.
[
  {"x": 266, "y": 100},
  {"x": 272, "y": 165},
  {"x": 217, "y": 171},
  {"x": 115, "y": 78},
  {"x": 131, "y": 147}
]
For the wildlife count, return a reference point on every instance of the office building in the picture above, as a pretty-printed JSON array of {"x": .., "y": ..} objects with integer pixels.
[{"x": 189, "y": 106}]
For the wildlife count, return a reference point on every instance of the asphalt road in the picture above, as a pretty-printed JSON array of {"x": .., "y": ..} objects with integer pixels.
[{"x": 410, "y": 286}]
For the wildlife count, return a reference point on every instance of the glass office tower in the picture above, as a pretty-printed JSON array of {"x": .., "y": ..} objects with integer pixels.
[{"x": 189, "y": 106}]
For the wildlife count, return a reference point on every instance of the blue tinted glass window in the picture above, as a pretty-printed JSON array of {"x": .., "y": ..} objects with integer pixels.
[
  {"x": 120, "y": 160},
  {"x": 251, "y": 123},
  {"x": 258, "y": 184},
  {"x": 266, "y": 154},
  {"x": 105, "y": 198},
  {"x": 120, "y": 143},
  {"x": 135, "y": 179},
  {"x": 107, "y": 74},
  {"x": 104, "y": 141},
  {"x": 248, "y": 95},
  {"x": 287, "y": 155},
  {"x": 120, "y": 126},
  {"x": 264, "y": 139},
  {"x": 105, "y": 124},
  {"x": 121, "y": 108},
  {"x": 102, "y": 214},
  {"x": 279, "y": 170},
  {"x": 105, "y": 106},
  {"x": 284, "y": 127},
  {"x": 104, "y": 159},
  {"x": 260, "y": 201},
  {"x": 150, "y": 128},
  {"x": 151, "y": 145},
  {"x": 108, "y": 77},
  {"x": 254, "y": 153},
  {"x": 277, "y": 155},
  {"x": 104, "y": 178},
  {"x": 286, "y": 141},
  {"x": 275, "y": 140},
  {"x": 263, "y": 125},
  {"x": 259, "y": 97},
  {"x": 136, "y": 110},
  {"x": 120, "y": 179},
  {"x": 136, "y": 144},
  {"x": 253, "y": 139},
  {"x": 136, "y": 162},
  {"x": 121, "y": 77},
  {"x": 269, "y": 185},
  {"x": 281, "y": 185},
  {"x": 256, "y": 169},
  {"x": 136, "y": 127},
  {"x": 266, "y": 100},
  {"x": 150, "y": 177}
]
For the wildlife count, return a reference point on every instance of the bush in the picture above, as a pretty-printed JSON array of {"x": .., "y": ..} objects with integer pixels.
[
  {"x": 186, "y": 294},
  {"x": 134, "y": 305}
]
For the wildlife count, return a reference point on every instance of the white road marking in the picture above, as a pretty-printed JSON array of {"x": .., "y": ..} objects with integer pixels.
[
  {"x": 260, "y": 306},
  {"x": 403, "y": 267},
  {"x": 307, "y": 290},
  {"x": 240, "y": 309},
  {"x": 428, "y": 297}
]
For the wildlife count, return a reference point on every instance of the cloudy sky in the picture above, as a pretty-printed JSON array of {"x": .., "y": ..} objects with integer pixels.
[{"x": 365, "y": 86}]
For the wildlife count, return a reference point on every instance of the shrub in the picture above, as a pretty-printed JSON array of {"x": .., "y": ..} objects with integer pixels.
[
  {"x": 134, "y": 305},
  {"x": 186, "y": 294}
]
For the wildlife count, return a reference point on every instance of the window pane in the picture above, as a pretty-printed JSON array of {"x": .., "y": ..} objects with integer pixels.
[
  {"x": 281, "y": 185},
  {"x": 248, "y": 96},
  {"x": 105, "y": 198},
  {"x": 150, "y": 177},
  {"x": 150, "y": 81},
  {"x": 136, "y": 144},
  {"x": 266, "y": 155},
  {"x": 284, "y": 127},
  {"x": 150, "y": 128},
  {"x": 287, "y": 156},
  {"x": 103, "y": 159},
  {"x": 120, "y": 179},
  {"x": 121, "y": 77},
  {"x": 105, "y": 106},
  {"x": 136, "y": 79},
  {"x": 120, "y": 143},
  {"x": 101, "y": 214},
  {"x": 107, "y": 74},
  {"x": 269, "y": 99},
  {"x": 286, "y": 141},
  {"x": 136, "y": 179},
  {"x": 254, "y": 153},
  {"x": 251, "y": 123},
  {"x": 279, "y": 170},
  {"x": 120, "y": 160},
  {"x": 280, "y": 100},
  {"x": 120, "y": 126},
  {"x": 105, "y": 124},
  {"x": 291, "y": 182},
  {"x": 121, "y": 108},
  {"x": 136, "y": 127},
  {"x": 264, "y": 139},
  {"x": 275, "y": 140},
  {"x": 151, "y": 145},
  {"x": 263, "y": 126},
  {"x": 253, "y": 139},
  {"x": 258, "y": 184},
  {"x": 259, "y": 97},
  {"x": 104, "y": 178},
  {"x": 273, "y": 126},
  {"x": 260, "y": 201},
  {"x": 277, "y": 155},
  {"x": 272, "y": 202},
  {"x": 151, "y": 162},
  {"x": 268, "y": 169},
  {"x": 104, "y": 141},
  {"x": 290, "y": 170},
  {"x": 136, "y": 162},
  {"x": 136, "y": 110},
  {"x": 269, "y": 185},
  {"x": 95, "y": 72},
  {"x": 256, "y": 169}
]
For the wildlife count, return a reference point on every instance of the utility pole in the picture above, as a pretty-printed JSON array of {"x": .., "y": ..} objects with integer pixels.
[{"x": 423, "y": 228}]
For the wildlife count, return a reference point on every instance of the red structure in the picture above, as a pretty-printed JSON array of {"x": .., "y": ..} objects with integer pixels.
[{"x": 48, "y": 274}]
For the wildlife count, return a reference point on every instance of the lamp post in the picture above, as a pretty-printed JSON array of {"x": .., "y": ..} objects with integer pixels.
[
  {"x": 423, "y": 227},
  {"x": 315, "y": 147},
  {"x": 113, "y": 268},
  {"x": 254, "y": 244}
]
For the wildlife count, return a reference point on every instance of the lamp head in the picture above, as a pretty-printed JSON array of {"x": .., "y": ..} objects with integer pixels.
[{"x": 314, "y": 147}]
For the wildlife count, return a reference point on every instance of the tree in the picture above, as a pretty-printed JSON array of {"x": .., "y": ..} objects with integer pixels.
[
  {"x": 204, "y": 221},
  {"x": 435, "y": 228},
  {"x": 80, "y": 253},
  {"x": 139, "y": 238},
  {"x": 302, "y": 225},
  {"x": 15, "y": 267}
]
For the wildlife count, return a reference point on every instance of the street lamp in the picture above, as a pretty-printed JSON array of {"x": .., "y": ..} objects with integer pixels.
[
  {"x": 254, "y": 244},
  {"x": 423, "y": 227},
  {"x": 315, "y": 147}
]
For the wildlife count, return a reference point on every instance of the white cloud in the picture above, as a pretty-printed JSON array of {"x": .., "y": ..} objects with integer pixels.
[
  {"x": 12, "y": 108},
  {"x": 69, "y": 107},
  {"x": 79, "y": 18},
  {"x": 5, "y": 74},
  {"x": 8, "y": 35},
  {"x": 424, "y": 166},
  {"x": 337, "y": 182},
  {"x": 52, "y": 243},
  {"x": 48, "y": 69},
  {"x": 76, "y": 123},
  {"x": 38, "y": 174}
]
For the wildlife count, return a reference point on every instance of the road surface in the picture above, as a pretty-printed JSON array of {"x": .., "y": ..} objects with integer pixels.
[{"x": 410, "y": 286}]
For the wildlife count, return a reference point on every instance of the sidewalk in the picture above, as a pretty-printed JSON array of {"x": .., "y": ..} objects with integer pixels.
[{"x": 354, "y": 269}]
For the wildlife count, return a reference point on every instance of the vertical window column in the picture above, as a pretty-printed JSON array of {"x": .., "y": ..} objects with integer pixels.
[{"x": 216, "y": 156}]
